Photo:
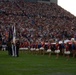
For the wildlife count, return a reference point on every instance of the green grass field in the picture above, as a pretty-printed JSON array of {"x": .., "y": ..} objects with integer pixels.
[{"x": 29, "y": 64}]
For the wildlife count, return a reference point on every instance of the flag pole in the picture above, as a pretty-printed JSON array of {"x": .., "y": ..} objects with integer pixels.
[{"x": 14, "y": 41}]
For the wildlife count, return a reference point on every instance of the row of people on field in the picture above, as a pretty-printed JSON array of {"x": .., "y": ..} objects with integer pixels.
[
  {"x": 67, "y": 48},
  {"x": 64, "y": 48}
]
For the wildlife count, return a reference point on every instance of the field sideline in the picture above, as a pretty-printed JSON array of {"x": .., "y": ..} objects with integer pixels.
[{"x": 29, "y": 64}]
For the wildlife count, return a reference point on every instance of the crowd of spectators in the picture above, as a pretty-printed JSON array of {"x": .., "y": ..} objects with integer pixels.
[{"x": 36, "y": 21}]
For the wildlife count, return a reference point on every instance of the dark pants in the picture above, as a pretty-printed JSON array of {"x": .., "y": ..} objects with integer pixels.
[{"x": 17, "y": 51}]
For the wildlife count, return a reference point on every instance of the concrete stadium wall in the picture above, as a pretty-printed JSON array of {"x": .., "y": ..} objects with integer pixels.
[
  {"x": 48, "y": 1},
  {"x": 45, "y": 1},
  {"x": 31, "y": 0},
  {"x": 54, "y": 1}
]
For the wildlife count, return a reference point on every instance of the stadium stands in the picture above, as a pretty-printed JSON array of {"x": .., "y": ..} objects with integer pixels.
[{"x": 36, "y": 21}]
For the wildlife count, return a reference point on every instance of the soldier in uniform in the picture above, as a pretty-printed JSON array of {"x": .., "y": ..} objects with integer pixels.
[{"x": 9, "y": 48}]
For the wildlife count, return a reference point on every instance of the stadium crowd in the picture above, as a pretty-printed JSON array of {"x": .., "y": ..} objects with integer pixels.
[{"x": 36, "y": 22}]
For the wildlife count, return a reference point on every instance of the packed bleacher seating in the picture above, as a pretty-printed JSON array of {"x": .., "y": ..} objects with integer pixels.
[{"x": 36, "y": 22}]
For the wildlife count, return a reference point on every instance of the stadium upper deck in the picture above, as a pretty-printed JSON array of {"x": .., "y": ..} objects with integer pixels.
[{"x": 53, "y": 1}]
